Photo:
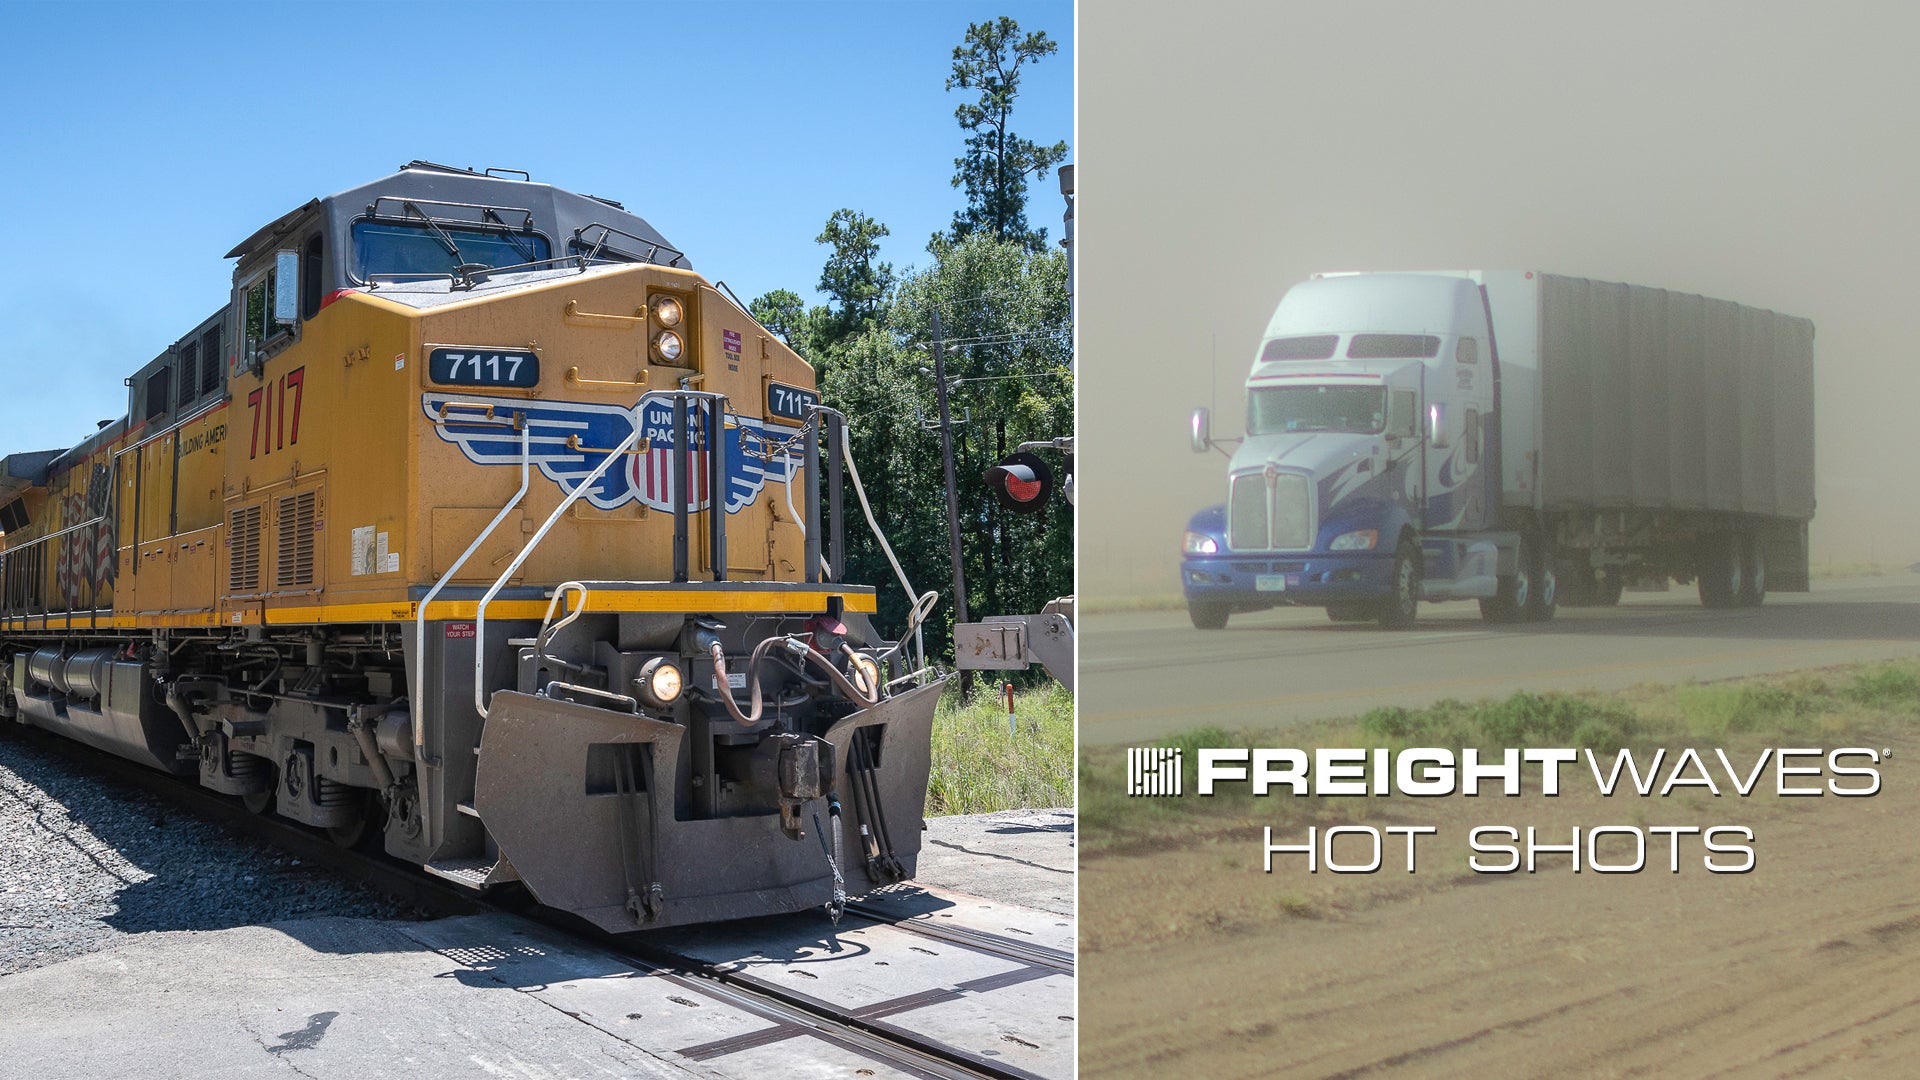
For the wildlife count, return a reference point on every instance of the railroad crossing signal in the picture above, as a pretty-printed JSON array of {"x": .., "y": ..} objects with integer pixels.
[{"x": 1022, "y": 482}]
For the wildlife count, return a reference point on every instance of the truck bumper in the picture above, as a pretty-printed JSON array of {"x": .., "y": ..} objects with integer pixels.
[{"x": 1249, "y": 583}]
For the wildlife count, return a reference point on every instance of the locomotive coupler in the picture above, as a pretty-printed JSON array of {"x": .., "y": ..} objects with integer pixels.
[{"x": 803, "y": 772}]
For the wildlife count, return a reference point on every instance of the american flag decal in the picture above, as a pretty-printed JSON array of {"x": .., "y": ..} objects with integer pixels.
[{"x": 1153, "y": 770}]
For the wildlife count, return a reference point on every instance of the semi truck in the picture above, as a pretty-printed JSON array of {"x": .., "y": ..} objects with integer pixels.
[{"x": 1517, "y": 438}]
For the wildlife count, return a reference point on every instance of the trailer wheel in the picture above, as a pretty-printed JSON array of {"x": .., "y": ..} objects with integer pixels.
[
  {"x": 1607, "y": 586},
  {"x": 1542, "y": 598},
  {"x": 1753, "y": 588},
  {"x": 1721, "y": 570},
  {"x": 1208, "y": 616},
  {"x": 1402, "y": 604},
  {"x": 1509, "y": 604}
]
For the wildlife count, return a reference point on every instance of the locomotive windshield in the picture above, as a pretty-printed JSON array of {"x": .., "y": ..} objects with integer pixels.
[
  {"x": 390, "y": 249},
  {"x": 1276, "y": 410}
]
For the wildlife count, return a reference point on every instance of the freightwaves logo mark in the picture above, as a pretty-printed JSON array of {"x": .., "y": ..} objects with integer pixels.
[{"x": 1153, "y": 770}]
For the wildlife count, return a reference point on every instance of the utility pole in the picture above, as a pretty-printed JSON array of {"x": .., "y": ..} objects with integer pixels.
[{"x": 953, "y": 503}]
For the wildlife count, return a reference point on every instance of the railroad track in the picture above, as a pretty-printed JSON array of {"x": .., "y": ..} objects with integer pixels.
[{"x": 871, "y": 1031}]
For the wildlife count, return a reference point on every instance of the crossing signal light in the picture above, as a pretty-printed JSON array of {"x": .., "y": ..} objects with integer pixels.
[{"x": 1022, "y": 482}]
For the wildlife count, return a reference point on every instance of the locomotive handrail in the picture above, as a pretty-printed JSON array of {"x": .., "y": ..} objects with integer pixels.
[
  {"x": 420, "y": 618},
  {"x": 718, "y": 513},
  {"x": 480, "y": 406},
  {"x": 653, "y": 246},
  {"x": 480, "y": 615},
  {"x": 573, "y": 443},
  {"x": 639, "y": 381},
  {"x": 572, "y": 311}
]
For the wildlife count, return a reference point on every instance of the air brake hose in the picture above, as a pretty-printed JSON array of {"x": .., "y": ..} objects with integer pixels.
[{"x": 798, "y": 645}]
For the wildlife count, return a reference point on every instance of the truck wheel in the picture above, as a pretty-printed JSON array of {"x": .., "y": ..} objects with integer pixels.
[
  {"x": 1208, "y": 616},
  {"x": 1402, "y": 602},
  {"x": 1608, "y": 583},
  {"x": 1348, "y": 613},
  {"x": 1542, "y": 598},
  {"x": 1720, "y": 570},
  {"x": 1509, "y": 604},
  {"x": 1753, "y": 588}
]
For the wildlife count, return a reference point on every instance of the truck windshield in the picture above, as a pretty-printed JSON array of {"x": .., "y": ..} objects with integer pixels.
[{"x": 1275, "y": 410}]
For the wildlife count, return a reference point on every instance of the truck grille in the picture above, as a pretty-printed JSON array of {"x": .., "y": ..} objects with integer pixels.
[{"x": 1269, "y": 515}]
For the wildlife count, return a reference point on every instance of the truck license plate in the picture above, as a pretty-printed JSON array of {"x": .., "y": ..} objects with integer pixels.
[{"x": 1270, "y": 583}]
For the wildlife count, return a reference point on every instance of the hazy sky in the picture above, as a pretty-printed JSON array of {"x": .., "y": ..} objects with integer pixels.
[
  {"x": 139, "y": 142},
  {"x": 1768, "y": 154}
]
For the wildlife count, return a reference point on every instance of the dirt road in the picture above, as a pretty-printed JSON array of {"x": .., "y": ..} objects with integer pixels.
[{"x": 1199, "y": 964}]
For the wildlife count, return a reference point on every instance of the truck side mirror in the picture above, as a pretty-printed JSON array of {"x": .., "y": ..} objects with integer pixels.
[
  {"x": 1202, "y": 430},
  {"x": 1437, "y": 426}
]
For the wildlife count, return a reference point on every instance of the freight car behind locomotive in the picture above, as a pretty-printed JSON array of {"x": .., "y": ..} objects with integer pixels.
[{"x": 479, "y": 527}]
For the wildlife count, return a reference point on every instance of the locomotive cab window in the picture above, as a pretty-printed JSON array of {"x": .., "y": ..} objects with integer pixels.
[
  {"x": 389, "y": 249},
  {"x": 257, "y": 324}
]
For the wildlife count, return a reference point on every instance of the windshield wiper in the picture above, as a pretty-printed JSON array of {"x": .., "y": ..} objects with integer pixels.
[{"x": 445, "y": 238}]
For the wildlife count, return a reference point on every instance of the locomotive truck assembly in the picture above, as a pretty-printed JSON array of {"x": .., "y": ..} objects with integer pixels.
[
  {"x": 1510, "y": 437},
  {"x": 479, "y": 528}
]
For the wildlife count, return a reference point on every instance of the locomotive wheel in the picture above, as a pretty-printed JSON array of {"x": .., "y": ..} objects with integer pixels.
[
  {"x": 261, "y": 803},
  {"x": 353, "y": 833}
]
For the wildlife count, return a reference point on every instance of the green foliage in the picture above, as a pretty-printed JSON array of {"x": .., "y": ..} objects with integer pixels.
[
  {"x": 783, "y": 312},
  {"x": 1005, "y": 318},
  {"x": 1892, "y": 684},
  {"x": 854, "y": 279},
  {"x": 997, "y": 162},
  {"x": 978, "y": 767},
  {"x": 1006, "y": 324},
  {"x": 1521, "y": 720}
]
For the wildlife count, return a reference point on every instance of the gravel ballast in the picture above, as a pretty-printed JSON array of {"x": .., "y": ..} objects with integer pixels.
[{"x": 87, "y": 861}]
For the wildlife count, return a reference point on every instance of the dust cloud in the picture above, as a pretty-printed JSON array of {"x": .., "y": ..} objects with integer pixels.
[{"x": 1761, "y": 153}]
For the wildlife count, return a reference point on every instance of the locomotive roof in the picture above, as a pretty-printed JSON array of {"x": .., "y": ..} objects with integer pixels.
[{"x": 469, "y": 193}]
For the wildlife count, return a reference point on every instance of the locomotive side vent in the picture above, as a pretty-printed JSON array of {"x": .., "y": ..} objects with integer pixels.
[
  {"x": 243, "y": 564},
  {"x": 295, "y": 533}
]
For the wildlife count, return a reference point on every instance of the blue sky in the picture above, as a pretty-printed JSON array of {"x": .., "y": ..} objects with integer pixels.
[{"x": 142, "y": 141}]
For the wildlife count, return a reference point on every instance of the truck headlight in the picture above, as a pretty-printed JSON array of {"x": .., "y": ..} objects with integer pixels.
[
  {"x": 1357, "y": 540},
  {"x": 1199, "y": 544},
  {"x": 669, "y": 346},
  {"x": 659, "y": 682}
]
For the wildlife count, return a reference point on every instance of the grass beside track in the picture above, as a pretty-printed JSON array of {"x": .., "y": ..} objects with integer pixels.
[
  {"x": 979, "y": 768},
  {"x": 1812, "y": 708}
]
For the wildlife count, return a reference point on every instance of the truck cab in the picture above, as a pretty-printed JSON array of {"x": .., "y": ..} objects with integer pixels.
[{"x": 1367, "y": 478}]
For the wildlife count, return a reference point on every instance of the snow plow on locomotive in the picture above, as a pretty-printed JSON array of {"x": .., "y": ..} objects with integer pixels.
[{"x": 479, "y": 528}]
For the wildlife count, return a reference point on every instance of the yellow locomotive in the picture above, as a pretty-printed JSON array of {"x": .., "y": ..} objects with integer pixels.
[{"x": 478, "y": 526}]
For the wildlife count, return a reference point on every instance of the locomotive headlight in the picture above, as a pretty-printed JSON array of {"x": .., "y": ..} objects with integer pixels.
[
  {"x": 667, "y": 311},
  {"x": 1199, "y": 544},
  {"x": 869, "y": 669},
  {"x": 659, "y": 682},
  {"x": 669, "y": 346}
]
